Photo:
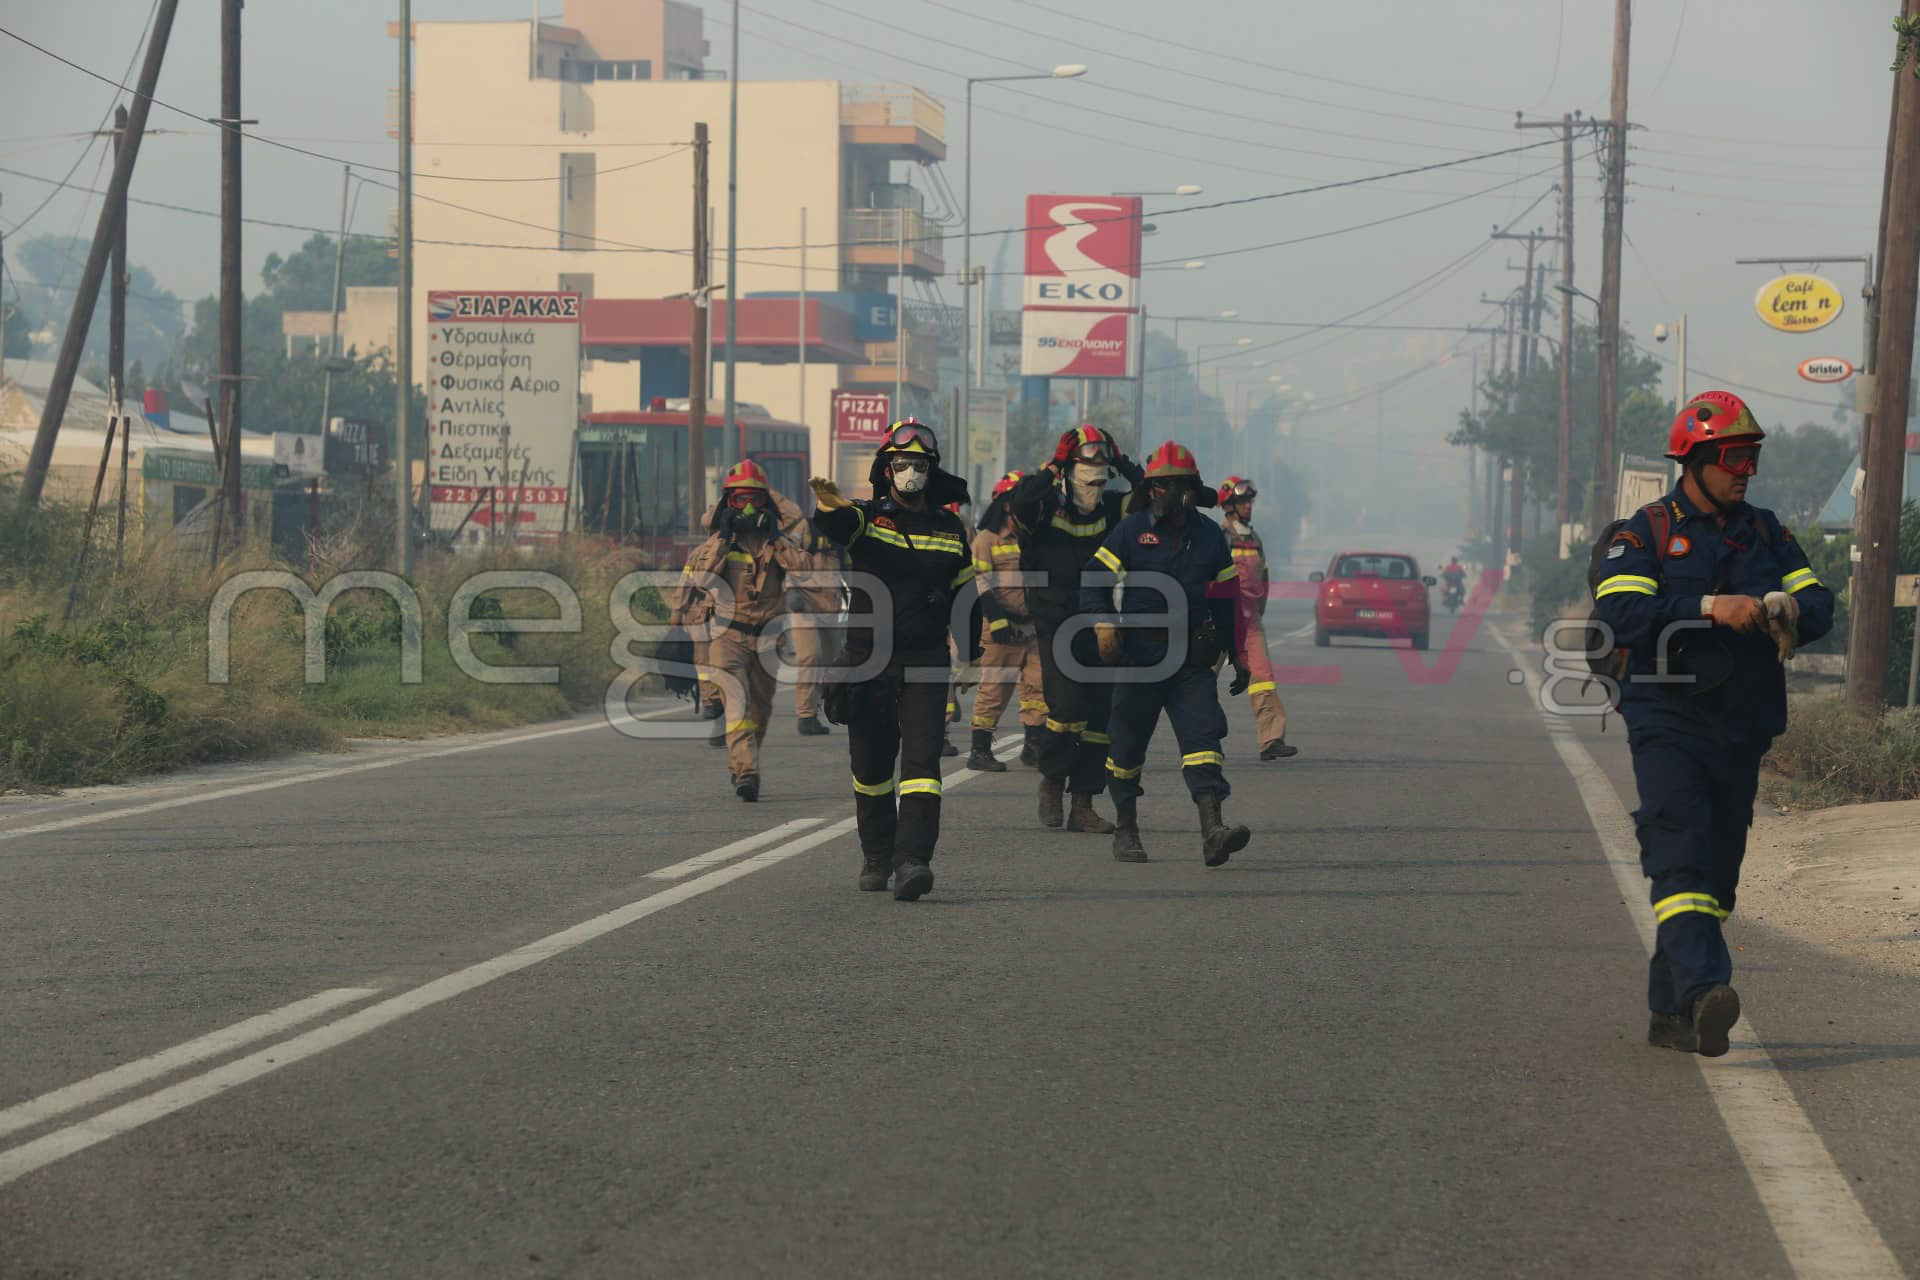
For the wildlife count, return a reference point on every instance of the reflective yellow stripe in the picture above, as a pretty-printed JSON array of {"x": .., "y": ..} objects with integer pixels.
[
  {"x": 747, "y": 726},
  {"x": 1248, "y": 554},
  {"x": 1033, "y": 704},
  {"x": 920, "y": 786},
  {"x": 1108, "y": 559},
  {"x": 1629, "y": 583},
  {"x": 998, "y": 624},
  {"x": 1090, "y": 528},
  {"x": 963, "y": 577},
  {"x": 1799, "y": 580},
  {"x": 873, "y": 788},
  {"x": 888, "y": 536},
  {"x": 1681, "y": 903},
  {"x": 1227, "y": 574},
  {"x": 1059, "y": 727},
  {"x": 1007, "y": 549},
  {"x": 707, "y": 679},
  {"x": 1097, "y": 739},
  {"x": 983, "y": 566},
  {"x": 739, "y": 557},
  {"x": 1260, "y": 686},
  {"x": 1193, "y": 758},
  {"x": 1118, "y": 772}
]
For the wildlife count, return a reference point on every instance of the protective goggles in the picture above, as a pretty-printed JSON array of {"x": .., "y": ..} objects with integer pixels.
[
  {"x": 1092, "y": 451},
  {"x": 910, "y": 464},
  {"x": 1737, "y": 459},
  {"x": 739, "y": 498},
  {"x": 910, "y": 435},
  {"x": 1244, "y": 489}
]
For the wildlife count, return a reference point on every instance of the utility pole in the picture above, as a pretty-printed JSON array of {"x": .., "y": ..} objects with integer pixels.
[
  {"x": 1530, "y": 303},
  {"x": 67, "y": 364},
  {"x": 1566, "y": 124},
  {"x": 698, "y": 355},
  {"x": 733, "y": 213},
  {"x": 117, "y": 347},
  {"x": 403, "y": 322},
  {"x": 1883, "y": 443},
  {"x": 334, "y": 303},
  {"x": 231, "y": 284},
  {"x": 1613, "y": 216}
]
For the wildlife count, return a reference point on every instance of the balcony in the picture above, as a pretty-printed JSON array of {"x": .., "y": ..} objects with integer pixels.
[
  {"x": 919, "y": 364},
  {"x": 903, "y": 123},
  {"x": 890, "y": 239}
]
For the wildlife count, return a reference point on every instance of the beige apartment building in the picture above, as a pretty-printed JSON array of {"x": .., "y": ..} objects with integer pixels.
[{"x": 557, "y": 156}]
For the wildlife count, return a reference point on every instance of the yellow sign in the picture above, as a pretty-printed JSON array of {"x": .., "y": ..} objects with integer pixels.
[{"x": 1799, "y": 303}]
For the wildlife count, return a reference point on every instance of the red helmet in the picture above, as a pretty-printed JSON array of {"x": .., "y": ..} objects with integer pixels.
[
  {"x": 1711, "y": 417},
  {"x": 1085, "y": 443},
  {"x": 1006, "y": 483},
  {"x": 1172, "y": 459},
  {"x": 1236, "y": 487},
  {"x": 745, "y": 474}
]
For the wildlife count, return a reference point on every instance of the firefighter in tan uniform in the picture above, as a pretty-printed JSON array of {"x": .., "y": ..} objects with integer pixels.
[
  {"x": 1011, "y": 657},
  {"x": 816, "y": 595},
  {"x": 1250, "y": 557},
  {"x": 752, "y": 557}
]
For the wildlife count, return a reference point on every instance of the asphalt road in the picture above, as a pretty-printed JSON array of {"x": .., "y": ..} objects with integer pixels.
[{"x": 1400, "y": 1035}]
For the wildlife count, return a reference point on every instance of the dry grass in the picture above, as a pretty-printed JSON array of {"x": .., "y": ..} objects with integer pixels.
[{"x": 1832, "y": 755}]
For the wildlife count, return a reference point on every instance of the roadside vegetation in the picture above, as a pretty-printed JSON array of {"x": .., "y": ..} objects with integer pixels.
[
  {"x": 120, "y": 688},
  {"x": 1831, "y": 755}
]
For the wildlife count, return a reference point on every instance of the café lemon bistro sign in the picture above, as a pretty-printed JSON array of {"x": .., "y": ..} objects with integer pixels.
[{"x": 1799, "y": 303}]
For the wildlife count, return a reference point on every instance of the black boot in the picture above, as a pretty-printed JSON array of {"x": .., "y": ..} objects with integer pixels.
[
  {"x": 947, "y": 748},
  {"x": 712, "y": 709},
  {"x": 748, "y": 787},
  {"x": 717, "y": 737},
  {"x": 810, "y": 727},
  {"x": 912, "y": 880},
  {"x": 874, "y": 873},
  {"x": 1278, "y": 750},
  {"x": 1081, "y": 817},
  {"x": 982, "y": 757},
  {"x": 1714, "y": 1013},
  {"x": 1218, "y": 840},
  {"x": 1052, "y": 802},
  {"x": 1672, "y": 1031},
  {"x": 1126, "y": 833},
  {"x": 1030, "y": 749}
]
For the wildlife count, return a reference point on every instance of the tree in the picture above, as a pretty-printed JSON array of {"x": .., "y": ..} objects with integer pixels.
[
  {"x": 52, "y": 267},
  {"x": 301, "y": 282},
  {"x": 17, "y": 343},
  {"x": 1798, "y": 471}
]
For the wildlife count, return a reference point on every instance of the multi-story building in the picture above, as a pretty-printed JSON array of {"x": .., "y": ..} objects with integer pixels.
[{"x": 557, "y": 156}]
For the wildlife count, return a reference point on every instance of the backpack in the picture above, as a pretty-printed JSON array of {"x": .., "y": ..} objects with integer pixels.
[{"x": 1608, "y": 662}]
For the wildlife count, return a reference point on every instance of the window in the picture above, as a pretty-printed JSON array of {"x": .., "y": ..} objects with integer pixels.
[{"x": 1398, "y": 568}]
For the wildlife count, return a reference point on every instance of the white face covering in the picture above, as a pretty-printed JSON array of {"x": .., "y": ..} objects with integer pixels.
[
  {"x": 909, "y": 481},
  {"x": 1088, "y": 481}
]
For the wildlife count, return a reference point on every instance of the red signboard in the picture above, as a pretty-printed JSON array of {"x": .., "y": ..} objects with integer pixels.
[
  {"x": 861, "y": 418},
  {"x": 1082, "y": 288}
]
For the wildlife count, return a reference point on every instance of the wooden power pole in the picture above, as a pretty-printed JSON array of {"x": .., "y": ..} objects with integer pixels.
[
  {"x": 231, "y": 283},
  {"x": 1613, "y": 212},
  {"x": 1566, "y": 124},
  {"x": 67, "y": 365},
  {"x": 1884, "y": 441},
  {"x": 698, "y": 340}
]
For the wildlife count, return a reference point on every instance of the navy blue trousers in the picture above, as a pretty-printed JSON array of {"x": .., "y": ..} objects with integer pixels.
[
  {"x": 1191, "y": 699},
  {"x": 1696, "y": 804}
]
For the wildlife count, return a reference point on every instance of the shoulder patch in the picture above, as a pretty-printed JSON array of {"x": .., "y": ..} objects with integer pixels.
[
  {"x": 884, "y": 522},
  {"x": 1149, "y": 539},
  {"x": 1626, "y": 536},
  {"x": 1678, "y": 547},
  {"x": 1618, "y": 549}
]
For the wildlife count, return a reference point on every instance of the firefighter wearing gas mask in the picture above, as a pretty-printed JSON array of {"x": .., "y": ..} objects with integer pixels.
[
  {"x": 1063, "y": 511},
  {"x": 1708, "y": 597},
  {"x": 911, "y": 566},
  {"x": 1178, "y": 595},
  {"x": 736, "y": 579}
]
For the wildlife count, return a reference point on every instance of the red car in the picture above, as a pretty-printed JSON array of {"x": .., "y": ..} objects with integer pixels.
[{"x": 1371, "y": 593}]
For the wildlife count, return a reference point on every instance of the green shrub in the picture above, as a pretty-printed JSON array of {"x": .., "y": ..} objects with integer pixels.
[{"x": 1832, "y": 755}]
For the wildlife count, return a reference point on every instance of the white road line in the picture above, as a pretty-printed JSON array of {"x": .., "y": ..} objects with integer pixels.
[
  {"x": 212, "y": 1045},
  {"x": 1815, "y": 1215},
  {"x": 728, "y": 852},
  {"x": 22, "y": 1160},
  {"x": 317, "y": 775}
]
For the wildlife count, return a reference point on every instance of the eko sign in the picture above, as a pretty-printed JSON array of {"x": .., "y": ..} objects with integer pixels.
[{"x": 1082, "y": 281}]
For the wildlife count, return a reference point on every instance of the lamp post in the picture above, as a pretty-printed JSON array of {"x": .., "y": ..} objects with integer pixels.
[
  {"x": 968, "y": 377},
  {"x": 1140, "y": 355}
]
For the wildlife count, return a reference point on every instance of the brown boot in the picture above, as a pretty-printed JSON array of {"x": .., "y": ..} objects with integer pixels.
[
  {"x": 1126, "y": 834},
  {"x": 1081, "y": 817},
  {"x": 1052, "y": 796}
]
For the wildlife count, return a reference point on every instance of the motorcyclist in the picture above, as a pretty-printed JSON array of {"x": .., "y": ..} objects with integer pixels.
[{"x": 1454, "y": 580}]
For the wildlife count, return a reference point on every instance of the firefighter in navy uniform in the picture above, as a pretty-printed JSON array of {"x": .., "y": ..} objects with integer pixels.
[
  {"x": 1724, "y": 592},
  {"x": 1163, "y": 537},
  {"x": 904, "y": 539},
  {"x": 1062, "y": 512}
]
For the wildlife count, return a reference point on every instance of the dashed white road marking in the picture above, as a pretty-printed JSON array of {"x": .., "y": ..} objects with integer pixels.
[
  {"x": 728, "y": 852},
  {"x": 1815, "y": 1215},
  {"x": 18, "y": 1162}
]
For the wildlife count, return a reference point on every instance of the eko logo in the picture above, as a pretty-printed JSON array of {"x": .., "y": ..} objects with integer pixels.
[{"x": 1067, "y": 291}]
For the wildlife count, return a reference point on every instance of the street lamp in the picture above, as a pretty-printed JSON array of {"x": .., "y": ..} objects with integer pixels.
[{"x": 1660, "y": 335}]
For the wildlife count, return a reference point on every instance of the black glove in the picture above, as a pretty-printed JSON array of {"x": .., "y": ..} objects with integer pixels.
[
  {"x": 1242, "y": 677},
  {"x": 1129, "y": 468}
]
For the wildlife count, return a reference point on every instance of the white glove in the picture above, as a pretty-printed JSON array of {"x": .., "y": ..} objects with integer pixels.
[{"x": 1783, "y": 622}]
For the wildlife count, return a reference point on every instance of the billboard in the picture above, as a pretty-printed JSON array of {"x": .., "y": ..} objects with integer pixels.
[
  {"x": 503, "y": 402},
  {"x": 860, "y": 418},
  {"x": 1082, "y": 284}
]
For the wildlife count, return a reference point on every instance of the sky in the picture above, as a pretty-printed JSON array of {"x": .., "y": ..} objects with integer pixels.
[{"x": 1760, "y": 132}]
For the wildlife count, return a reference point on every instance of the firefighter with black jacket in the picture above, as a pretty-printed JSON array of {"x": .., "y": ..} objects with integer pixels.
[
  {"x": 911, "y": 565},
  {"x": 1708, "y": 597},
  {"x": 1063, "y": 511},
  {"x": 1159, "y": 545}
]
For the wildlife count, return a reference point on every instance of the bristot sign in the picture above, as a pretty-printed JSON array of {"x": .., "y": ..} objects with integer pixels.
[
  {"x": 1799, "y": 303},
  {"x": 1825, "y": 369},
  {"x": 1082, "y": 281},
  {"x": 503, "y": 400}
]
